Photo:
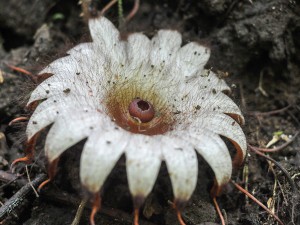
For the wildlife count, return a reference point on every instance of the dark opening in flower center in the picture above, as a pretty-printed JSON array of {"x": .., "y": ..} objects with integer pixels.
[{"x": 141, "y": 110}]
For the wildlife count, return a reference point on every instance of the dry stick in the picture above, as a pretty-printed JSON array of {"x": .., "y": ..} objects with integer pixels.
[
  {"x": 20, "y": 197},
  {"x": 286, "y": 173},
  {"x": 278, "y": 148},
  {"x": 256, "y": 201},
  {"x": 79, "y": 212}
]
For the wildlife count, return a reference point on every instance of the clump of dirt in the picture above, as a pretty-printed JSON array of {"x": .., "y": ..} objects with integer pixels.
[{"x": 255, "y": 42}]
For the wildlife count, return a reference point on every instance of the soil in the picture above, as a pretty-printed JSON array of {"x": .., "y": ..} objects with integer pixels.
[{"x": 255, "y": 45}]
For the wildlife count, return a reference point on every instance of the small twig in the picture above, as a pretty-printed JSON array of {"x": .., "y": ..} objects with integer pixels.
[
  {"x": 219, "y": 211},
  {"x": 29, "y": 182},
  {"x": 20, "y": 197},
  {"x": 9, "y": 178},
  {"x": 270, "y": 113},
  {"x": 292, "y": 183},
  {"x": 79, "y": 212},
  {"x": 20, "y": 70},
  {"x": 18, "y": 119},
  {"x": 107, "y": 7},
  {"x": 133, "y": 11},
  {"x": 278, "y": 148},
  {"x": 260, "y": 85},
  {"x": 243, "y": 101},
  {"x": 256, "y": 201},
  {"x": 1, "y": 77},
  {"x": 245, "y": 179}
]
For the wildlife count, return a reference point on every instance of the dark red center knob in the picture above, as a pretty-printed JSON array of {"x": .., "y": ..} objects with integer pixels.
[{"x": 142, "y": 110}]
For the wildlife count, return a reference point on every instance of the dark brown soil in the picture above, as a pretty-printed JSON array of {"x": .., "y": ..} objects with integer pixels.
[{"x": 255, "y": 42}]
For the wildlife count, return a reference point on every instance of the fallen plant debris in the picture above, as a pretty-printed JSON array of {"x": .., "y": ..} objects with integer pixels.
[{"x": 16, "y": 204}]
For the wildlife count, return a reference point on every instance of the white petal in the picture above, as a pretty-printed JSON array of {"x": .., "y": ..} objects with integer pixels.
[
  {"x": 220, "y": 102},
  {"x": 182, "y": 164},
  {"x": 143, "y": 160},
  {"x": 106, "y": 40},
  {"x": 103, "y": 31},
  {"x": 50, "y": 109},
  {"x": 206, "y": 81},
  {"x": 192, "y": 92},
  {"x": 213, "y": 149},
  {"x": 80, "y": 50},
  {"x": 192, "y": 58},
  {"x": 221, "y": 124},
  {"x": 138, "y": 50},
  {"x": 100, "y": 154},
  {"x": 165, "y": 45},
  {"x": 55, "y": 86},
  {"x": 216, "y": 102},
  {"x": 64, "y": 67},
  {"x": 69, "y": 129}
]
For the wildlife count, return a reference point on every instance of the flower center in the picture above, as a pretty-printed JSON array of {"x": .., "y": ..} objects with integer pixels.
[{"x": 141, "y": 110}]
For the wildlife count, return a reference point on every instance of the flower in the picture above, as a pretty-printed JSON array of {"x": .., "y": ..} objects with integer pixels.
[{"x": 151, "y": 100}]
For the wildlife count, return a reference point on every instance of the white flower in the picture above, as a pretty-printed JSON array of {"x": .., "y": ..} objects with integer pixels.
[{"x": 151, "y": 100}]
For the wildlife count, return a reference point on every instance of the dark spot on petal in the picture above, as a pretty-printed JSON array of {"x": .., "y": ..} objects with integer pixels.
[
  {"x": 77, "y": 73},
  {"x": 34, "y": 122},
  {"x": 47, "y": 91},
  {"x": 214, "y": 91},
  {"x": 233, "y": 123},
  {"x": 108, "y": 142},
  {"x": 66, "y": 91},
  {"x": 177, "y": 112},
  {"x": 198, "y": 107}
]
